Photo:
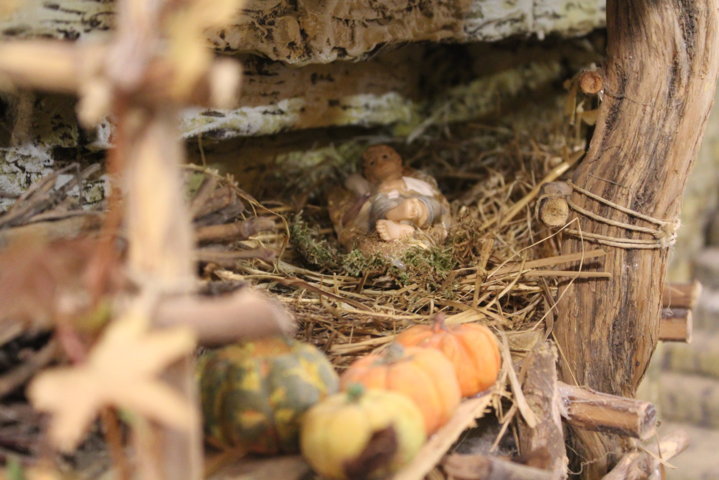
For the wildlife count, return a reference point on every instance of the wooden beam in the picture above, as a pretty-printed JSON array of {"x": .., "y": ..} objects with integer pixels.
[
  {"x": 676, "y": 325},
  {"x": 681, "y": 295},
  {"x": 442, "y": 440},
  {"x": 659, "y": 81},
  {"x": 601, "y": 412}
]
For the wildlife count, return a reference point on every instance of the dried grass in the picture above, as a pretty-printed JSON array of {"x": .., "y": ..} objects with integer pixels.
[{"x": 500, "y": 267}]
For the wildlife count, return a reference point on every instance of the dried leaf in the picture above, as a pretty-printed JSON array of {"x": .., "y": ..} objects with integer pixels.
[{"x": 122, "y": 370}]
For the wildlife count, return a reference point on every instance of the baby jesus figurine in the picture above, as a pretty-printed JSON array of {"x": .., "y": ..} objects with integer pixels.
[{"x": 395, "y": 202}]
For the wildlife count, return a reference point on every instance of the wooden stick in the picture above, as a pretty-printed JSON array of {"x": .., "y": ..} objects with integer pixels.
[
  {"x": 238, "y": 230},
  {"x": 210, "y": 199},
  {"x": 602, "y": 412},
  {"x": 676, "y": 325},
  {"x": 565, "y": 273},
  {"x": 632, "y": 466},
  {"x": 681, "y": 295},
  {"x": 19, "y": 375},
  {"x": 542, "y": 394},
  {"x": 45, "y": 65},
  {"x": 65, "y": 228},
  {"x": 230, "y": 258},
  {"x": 482, "y": 467},
  {"x": 646, "y": 464},
  {"x": 548, "y": 262},
  {"x": 514, "y": 210},
  {"x": 227, "y": 318}
]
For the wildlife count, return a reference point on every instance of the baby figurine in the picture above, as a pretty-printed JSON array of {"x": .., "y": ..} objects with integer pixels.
[{"x": 395, "y": 202}]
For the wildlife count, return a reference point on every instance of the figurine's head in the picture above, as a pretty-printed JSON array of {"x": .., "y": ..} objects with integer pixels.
[{"x": 381, "y": 162}]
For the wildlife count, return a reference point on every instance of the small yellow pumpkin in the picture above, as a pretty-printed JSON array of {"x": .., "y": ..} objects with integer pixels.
[{"x": 361, "y": 433}]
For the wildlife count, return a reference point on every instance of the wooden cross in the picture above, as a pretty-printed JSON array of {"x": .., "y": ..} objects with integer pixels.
[{"x": 155, "y": 63}]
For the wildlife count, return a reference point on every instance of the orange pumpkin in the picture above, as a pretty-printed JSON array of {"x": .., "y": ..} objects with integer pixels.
[
  {"x": 424, "y": 375},
  {"x": 472, "y": 349}
]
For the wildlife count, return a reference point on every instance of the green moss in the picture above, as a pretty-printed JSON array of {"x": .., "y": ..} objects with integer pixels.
[
  {"x": 317, "y": 251},
  {"x": 428, "y": 268},
  {"x": 357, "y": 264}
]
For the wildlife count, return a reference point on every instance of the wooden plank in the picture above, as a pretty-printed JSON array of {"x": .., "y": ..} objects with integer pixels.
[
  {"x": 290, "y": 467},
  {"x": 486, "y": 467}
]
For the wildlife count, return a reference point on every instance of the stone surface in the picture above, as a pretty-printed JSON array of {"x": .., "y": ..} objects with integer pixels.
[
  {"x": 410, "y": 88},
  {"x": 706, "y": 267},
  {"x": 706, "y": 314},
  {"x": 45, "y": 127},
  {"x": 322, "y": 31},
  {"x": 699, "y": 357},
  {"x": 692, "y": 399}
]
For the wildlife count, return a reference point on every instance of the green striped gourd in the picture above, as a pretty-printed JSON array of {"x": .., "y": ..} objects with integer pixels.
[{"x": 254, "y": 393}]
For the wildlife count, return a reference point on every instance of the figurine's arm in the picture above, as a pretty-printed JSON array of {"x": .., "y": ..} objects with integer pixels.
[{"x": 356, "y": 183}]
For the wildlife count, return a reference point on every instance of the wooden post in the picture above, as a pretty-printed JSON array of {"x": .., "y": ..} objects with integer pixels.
[
  {"x": 137, "y": 75},
  {"x": 658, "y": 83},
  {"x": 681, "y": 295}
]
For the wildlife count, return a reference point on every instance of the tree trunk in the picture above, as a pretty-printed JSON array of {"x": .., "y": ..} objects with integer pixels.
[{"x": 659, "y": 81}]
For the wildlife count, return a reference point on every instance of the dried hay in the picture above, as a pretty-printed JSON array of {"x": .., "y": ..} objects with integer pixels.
[{"x": 497, "y": 267}]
